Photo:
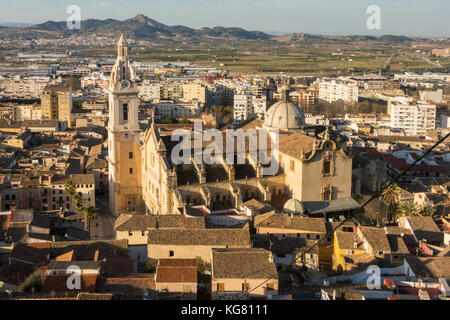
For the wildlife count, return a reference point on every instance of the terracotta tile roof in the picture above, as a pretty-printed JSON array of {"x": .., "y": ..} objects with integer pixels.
[
  {"x": 296, "y": 143},
  {"x": 200, "y": 237},
  {"x": 425, "y": 228},
  {"x": 177, "y": 272},
  {"x": 128, "y": 222},
  {"x": 377, "y": 238},
  {"x": 298, "y": 223},
  {"x": 358, "y": 259},
  {"x": 131, "y": 286},
  {"x": 78, "y": 179},
  {"x": 346, "y": 241},
  {"x": 177, "y": 263},
  {"x": 430, "y": 267},
  {"x": 401, "y": 164},
  {"x": 258, "y": 207},
  {"x": 58, "y": 283},
  {"x": 406, "y": 235},
  {"x": 32, "y": 255},
  {"x": 397, "y": 244},
  {"x": 251, "y": 263},
  {"x": 95, "y": 296}
]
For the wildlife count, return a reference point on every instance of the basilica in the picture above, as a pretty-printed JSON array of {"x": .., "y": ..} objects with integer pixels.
[{"x": 313, "y": 166}]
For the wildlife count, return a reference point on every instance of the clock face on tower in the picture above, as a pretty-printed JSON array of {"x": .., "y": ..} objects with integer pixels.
[{"x": 125, "y": 84}]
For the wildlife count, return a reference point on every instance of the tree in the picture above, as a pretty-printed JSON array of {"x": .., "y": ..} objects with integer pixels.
[
  {"x": 202, "y": 266},
  {"x": 150, "y": 266},
  {"x": 427, "y": 211},
  {"x": 77, "y": 200},
  {"x": 391, "y": 196},
  {"x": 33, "y": 283},
  {"x": 91, "y": 213},
  {"x": 185, "y": 121},
  {"x": 408, "y": 208},
  {"x": 70, "y": 189},
  {"x": 170, "y": 120}
]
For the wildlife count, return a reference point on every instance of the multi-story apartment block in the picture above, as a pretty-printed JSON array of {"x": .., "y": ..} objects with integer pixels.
[
  {"x": 24, "y": 87},
  {"x": 178, "y": 109},
  {"x": 259, "y": 106},
  {"x": 56, "y": 103},
  {"x": 415, "y": 118},
  {"x": 194, "y": 91},
  {"x": 243, "y": 106},
  {"x": 304, "y": 97},
  {"x": 332, "y": 90},
  {"x": 149, "y": 90}
]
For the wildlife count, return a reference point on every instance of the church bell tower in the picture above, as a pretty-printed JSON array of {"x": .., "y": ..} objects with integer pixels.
[{"x": 124, "y": 153}]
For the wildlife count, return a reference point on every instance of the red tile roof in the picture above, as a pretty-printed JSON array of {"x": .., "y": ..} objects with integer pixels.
[{"x": 58, "y": 283}]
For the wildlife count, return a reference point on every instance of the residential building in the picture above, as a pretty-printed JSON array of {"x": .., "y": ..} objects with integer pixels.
[
  {"x": 416, "y": 119},
  {"x": 56, "y": 103},
  {"x": 243, "y": 270},
  {"x": 332, "y": 90}
]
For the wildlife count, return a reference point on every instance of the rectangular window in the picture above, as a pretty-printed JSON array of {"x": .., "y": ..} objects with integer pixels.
[
  {"x": 131, "y": 170},
  {"x": 245, "y": 287},
  {"x": 130, "y": 155},
  {"x": 125, "y": 111},
  {"x": 171, "y": 253},
  {"x": 220, "y": 286}
]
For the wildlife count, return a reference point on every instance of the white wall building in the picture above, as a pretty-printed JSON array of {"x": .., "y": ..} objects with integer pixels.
[
  {"x": 414, "y": 118},
  {"x": 243, "y": 106},
  {"x": 332, "y": 90},
  {"x": 149, "y": 90},
  {"x": 178, "y": 109},
  {"x": 434, "y": 96}
]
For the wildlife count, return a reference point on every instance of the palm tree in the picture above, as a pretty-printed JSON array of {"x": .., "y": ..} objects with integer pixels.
[
  {"x": 408, "y": 208},
  {"x": 391, "y": 195},
  {"x": 427, "y": 211},
  {"x": 90, "y": 213},
  {"x": 70, "y": 189}
]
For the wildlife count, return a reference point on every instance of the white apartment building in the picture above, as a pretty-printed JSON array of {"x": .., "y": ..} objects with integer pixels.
[
  {"x": 259, "y": 106},
  {"x": 243, "y": 106},
  {"x": 149, "y": 90},
  {"x": 96, "y": 80},
  {"x": 24, "y": 88},
  {"x": 332, "y": 90},
  {"x": 178, "y": 109},
  {"x": 414, "y": 118}
]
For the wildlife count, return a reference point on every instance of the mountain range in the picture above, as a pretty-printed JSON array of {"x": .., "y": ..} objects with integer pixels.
[{"x": 143, "y": 27}]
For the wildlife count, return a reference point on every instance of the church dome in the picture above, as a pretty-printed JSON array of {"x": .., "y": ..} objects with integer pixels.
[
  {"x": 293, "y": 206},
  {"x": 284, "y": 115}
]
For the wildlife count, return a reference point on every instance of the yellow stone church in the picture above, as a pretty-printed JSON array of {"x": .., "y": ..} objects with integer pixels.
[{"x": 143, "y": 178}]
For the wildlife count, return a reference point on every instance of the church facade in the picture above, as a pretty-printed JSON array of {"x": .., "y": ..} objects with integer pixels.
[{"x": 143, "y": 177}]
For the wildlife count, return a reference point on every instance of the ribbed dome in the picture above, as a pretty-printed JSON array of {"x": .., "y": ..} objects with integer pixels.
[
  {"x": 284, "y": 115},
  {"x": 293, "y": 206}
]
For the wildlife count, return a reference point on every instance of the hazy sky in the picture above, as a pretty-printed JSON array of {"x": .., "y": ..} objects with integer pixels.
[{"x": 338, "y": 17}]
